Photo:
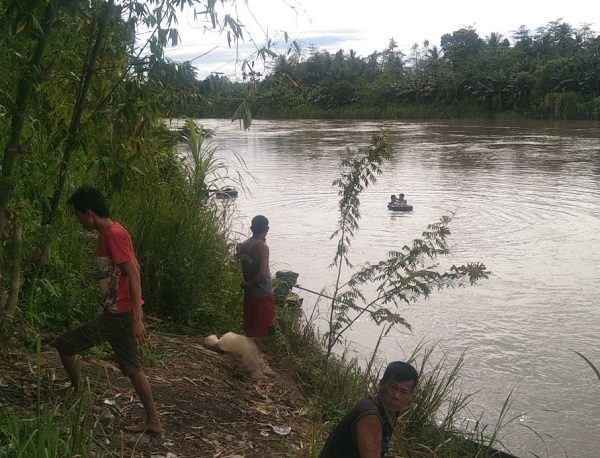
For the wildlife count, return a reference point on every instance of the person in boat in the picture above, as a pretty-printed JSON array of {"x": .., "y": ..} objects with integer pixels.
[
  {"x": 401, "y": 200},
  {"x": 393, "y": 200},
  {"x": 366, "y": 430}
]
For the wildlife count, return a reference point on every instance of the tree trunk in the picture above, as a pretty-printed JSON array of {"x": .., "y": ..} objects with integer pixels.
[
  {"x": 13, "y": 295},
  {"x": 72, "y": 139},
  {"x": 72, "y": 135},
  {"x": 29, "y": 77}
]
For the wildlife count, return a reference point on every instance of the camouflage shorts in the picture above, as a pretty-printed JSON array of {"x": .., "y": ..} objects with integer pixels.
[{"x": 114, "y": 328}]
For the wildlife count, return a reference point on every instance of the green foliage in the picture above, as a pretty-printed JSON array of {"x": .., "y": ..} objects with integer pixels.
[
  {"x": 434, "y": 423},
  {"x": 358, "y": 172},
  {"x": 243, "y": 114},
  {"x": 202, "y": 160},
  {"x": 594, "y": 109},
  {"x": 462, "y": 46},
  {"x": 187, "y": 272},
  {"x": 57, "y": 427},
  {"x": 565, "y": 105},
  {"x": 47, "y": 433},
  {"x": 149, "y": 358},
  {"x": 180, "y": 236},
  {"x": 467, "y": 71},
  {"x": 83, "y": 89},
  {"x": 67, "y": 292}
]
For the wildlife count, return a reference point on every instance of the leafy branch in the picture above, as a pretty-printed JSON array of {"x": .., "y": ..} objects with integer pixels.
[{"x": 405, "y": 276}]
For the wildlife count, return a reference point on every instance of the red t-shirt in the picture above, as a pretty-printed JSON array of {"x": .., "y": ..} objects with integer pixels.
[{"x": 115, "y": 248}]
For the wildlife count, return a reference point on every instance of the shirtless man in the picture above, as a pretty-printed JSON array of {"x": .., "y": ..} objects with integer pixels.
[{"x": 259, "y": 305}]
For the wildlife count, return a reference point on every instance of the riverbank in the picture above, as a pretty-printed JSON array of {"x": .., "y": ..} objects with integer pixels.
[
  {"x": 210, "y": 406},
  {"x": 207, "y": 404}
]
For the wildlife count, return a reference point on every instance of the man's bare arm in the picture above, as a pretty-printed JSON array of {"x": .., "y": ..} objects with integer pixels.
[
  {"x": 263, "y": 253},
  {"x": 369, "y": 436},
  {"x": 138, "y": 329}
]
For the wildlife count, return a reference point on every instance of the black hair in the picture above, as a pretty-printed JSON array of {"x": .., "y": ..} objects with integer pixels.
[
  {"x": 260, "y": 224},
  {"x": 400, "y": 371},
  {"x": 87, "y": 198}
]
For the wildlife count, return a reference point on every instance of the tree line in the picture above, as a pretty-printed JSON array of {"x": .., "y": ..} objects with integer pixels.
[{"x": 550, "y": 73}]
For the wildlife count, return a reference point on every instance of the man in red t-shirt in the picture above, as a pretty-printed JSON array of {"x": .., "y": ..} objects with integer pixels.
[{"x": 121, "y": 322}]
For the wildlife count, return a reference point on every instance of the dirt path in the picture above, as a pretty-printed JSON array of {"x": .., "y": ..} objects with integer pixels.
[{"x": 208, "y": 406}]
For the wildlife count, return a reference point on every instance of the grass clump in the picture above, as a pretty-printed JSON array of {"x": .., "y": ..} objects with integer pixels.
[
  {"x": 57, "y": 427},
  {"x": 436, "y": 423}
]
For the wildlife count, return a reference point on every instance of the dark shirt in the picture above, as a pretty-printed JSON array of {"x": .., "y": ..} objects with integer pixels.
[{"x": 342, "y": 441}]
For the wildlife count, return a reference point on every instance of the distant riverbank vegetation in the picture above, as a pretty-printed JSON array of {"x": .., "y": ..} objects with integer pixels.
[{"x": 550, "y": 73}]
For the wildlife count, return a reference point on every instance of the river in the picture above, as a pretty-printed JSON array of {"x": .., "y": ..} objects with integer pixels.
[{"x": 526, "y": 202}]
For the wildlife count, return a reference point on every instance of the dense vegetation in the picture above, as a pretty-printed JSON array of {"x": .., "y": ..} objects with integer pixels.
[
  {"x": 82, "y": 102},
  {"x": 551, "y": 73}
]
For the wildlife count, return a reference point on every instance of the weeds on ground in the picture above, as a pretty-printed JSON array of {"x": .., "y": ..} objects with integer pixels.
[{"x": 60, "y": 426}]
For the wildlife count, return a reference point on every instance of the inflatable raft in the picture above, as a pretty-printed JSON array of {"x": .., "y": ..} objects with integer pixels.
[{"x": 400, "y": 207}]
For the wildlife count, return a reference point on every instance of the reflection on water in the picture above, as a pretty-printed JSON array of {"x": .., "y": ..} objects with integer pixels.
[{"x": 526, "y": 202}]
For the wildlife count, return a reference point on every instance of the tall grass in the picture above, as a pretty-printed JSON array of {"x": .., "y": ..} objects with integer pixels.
[
  {"x": 189, "y": 275},
  {"x": 186, "y": 267},
  {"x": 436, "y": 423},
  {"x": 53, "y": 430},
  {"x": 59, "y": 427}
]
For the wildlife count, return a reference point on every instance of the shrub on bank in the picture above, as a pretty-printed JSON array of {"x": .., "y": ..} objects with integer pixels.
[{"x": 433, "y": 424}]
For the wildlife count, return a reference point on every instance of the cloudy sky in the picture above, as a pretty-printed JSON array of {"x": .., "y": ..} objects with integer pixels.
[{"x": 366, "y": 27}]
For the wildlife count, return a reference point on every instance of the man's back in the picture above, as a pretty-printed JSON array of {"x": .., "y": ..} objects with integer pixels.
[{"x": 249, "y": 253}]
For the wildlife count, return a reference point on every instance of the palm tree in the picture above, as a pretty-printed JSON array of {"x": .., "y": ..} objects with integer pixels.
[
  {"x": 493, "y": 41},
  {"x": 493, "y": 89},
  {"x": 393, "y": 61},
  {"x": 414, "y": 51},
  {"x": 283, "y": 66}
]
